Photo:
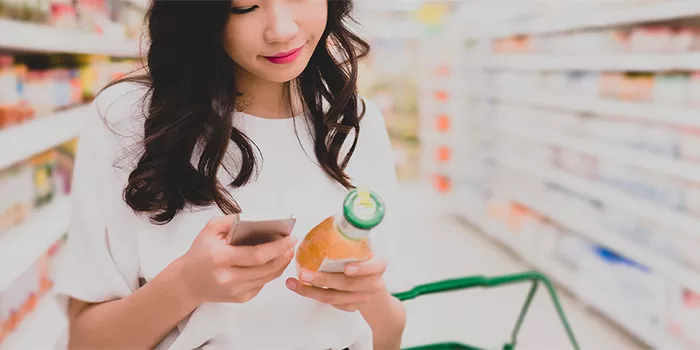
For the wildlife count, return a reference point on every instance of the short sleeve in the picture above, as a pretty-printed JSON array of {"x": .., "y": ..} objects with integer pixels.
[
  {"x": 374, "y": 168},
  {"x": 100, "y": 261}
]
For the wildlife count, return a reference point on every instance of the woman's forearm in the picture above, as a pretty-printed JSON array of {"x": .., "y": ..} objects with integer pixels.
[
  {"x": 138, "y": 321},
  {"x": 386, "y": 317}
]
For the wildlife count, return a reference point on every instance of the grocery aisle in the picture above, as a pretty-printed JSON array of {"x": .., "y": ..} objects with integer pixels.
[
  {"x": 436, "y": 245},
  {"x": 565, "y": 130},
  {"x": 568, "y": 132}
]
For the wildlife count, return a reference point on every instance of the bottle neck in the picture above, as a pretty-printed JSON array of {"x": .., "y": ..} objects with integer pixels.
[{"x": 348, "y": 230}]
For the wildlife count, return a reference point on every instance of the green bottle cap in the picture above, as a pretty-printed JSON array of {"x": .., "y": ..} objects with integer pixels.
[{"x": 363, "y": 209}]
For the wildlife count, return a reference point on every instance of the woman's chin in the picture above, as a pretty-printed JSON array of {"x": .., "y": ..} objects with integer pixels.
[{"x": 283, "y": 76}]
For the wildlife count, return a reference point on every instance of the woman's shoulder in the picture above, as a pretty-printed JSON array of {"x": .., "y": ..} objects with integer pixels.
[
  {"x": 116, "y": 125},
  {"x": 369, "y": 110},
  {"x": 120, "y": 111},
  {"x": 373, "y": 138},
  {"x": 122, "y": 104},
  {"x": 372, "y": 122}
]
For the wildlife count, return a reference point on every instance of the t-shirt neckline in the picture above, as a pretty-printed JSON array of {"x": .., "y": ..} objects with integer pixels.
[{"x": 258, "y": 119}]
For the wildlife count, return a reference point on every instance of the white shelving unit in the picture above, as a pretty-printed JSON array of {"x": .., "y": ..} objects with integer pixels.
[
  {"x": 496, "y": 128},
  {"x": 21, "y": 246},
  {"x": 19, "y": 36},
  {"x": 43, "y": 329},
  {"x": 643, "y": 160},
  {"x": 475, "y": 214},
  {"x": 643, "y": 111},
  {"x": 33, "y": 137},
  {"x": 610, "y": 196},
  {"x": 591, "y": 16},
  {"x": 611, "y": 240},
  {"x": 601, "y": 62},
  {"x": 19, "y": 249}
]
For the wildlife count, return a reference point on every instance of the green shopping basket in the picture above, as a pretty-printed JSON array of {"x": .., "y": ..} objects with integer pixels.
[{"x": 450, "y": 285}]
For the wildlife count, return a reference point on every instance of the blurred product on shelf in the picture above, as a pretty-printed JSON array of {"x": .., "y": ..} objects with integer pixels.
[
  {"x": 653, "y": 39},
  {"x": 43, "y": 174},
  {"x": 684, "y": 316},
  {"x": 36, "y": 86},
  {"x": 13, "y": 109},
  {"x": 20, "y": 300},
  {"x": 680, "y": 89},
  {"x": 118, "y": 18},
  {"x": 388, "y": 78},
  {"x": 17, "y": 188},
  {"x": 34, "y": 183},
  {"x": 678, "y": 194},
  {"x": 65, "y": 159}
]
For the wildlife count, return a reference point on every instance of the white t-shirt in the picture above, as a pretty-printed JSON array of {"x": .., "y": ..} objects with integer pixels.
[{"x": 110, "y": 247}]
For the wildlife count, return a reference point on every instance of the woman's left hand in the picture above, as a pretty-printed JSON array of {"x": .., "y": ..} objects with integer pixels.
[{"x": 349, "y": 291}]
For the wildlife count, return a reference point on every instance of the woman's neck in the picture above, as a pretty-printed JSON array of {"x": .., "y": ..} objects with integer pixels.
[{"x": 265, "y": 99}]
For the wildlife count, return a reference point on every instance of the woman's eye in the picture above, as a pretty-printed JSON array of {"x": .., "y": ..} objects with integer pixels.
[{"x": 244, "y": 10}]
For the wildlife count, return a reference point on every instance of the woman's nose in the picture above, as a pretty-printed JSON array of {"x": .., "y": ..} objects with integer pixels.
[{"x": 281, "y": 25}]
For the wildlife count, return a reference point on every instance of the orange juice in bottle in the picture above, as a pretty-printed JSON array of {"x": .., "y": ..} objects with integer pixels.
[{"x": 344, "y": 237}]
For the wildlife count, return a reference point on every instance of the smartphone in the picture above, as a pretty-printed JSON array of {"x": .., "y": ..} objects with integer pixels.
[{"x": 254, "y": 232}]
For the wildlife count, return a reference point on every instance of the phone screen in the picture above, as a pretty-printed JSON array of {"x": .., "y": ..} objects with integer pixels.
[{"x": 249, "y": 233}]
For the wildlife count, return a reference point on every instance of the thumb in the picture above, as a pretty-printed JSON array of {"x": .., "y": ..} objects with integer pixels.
[{"x": 220, "y": 226}]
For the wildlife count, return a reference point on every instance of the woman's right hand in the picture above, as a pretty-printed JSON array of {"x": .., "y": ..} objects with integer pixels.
[{"x": 214, "y": 271}]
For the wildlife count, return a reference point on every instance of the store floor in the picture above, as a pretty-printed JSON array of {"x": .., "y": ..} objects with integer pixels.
[{"x": 435, "y": 245}]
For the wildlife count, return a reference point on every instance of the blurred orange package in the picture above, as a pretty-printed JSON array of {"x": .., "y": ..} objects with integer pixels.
[
  {"x": 343, "y": 238},
  {"x": 611, "y": 85}
]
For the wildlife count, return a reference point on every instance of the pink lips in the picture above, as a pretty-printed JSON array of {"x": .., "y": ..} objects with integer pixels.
[{"x": 285, "y": 57}]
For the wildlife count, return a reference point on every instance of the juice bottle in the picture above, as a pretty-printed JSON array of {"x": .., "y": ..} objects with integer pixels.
[{"x": 342, "y": 238}]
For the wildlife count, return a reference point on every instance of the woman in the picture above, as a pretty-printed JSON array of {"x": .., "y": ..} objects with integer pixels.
[{"x": 247, "y": 106}]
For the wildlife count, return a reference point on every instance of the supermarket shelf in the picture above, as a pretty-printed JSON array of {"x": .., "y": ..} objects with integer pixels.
[
  {"x": 609, "y": 196},
  {"x": 21, "y": 246},
  {"x": 600, "y": 62},
  {"x": 42, "y": 329},
  {"x": 684, "y": 276},
  {"x": 615, "y": 312},
  {"x": 474, "y": 213},
  {"x": 41, "y": 38},
  {"x": 579, "y": 103},
  {"x": 23, "y": 141},
  {"x": 644, "y": 160},
  {"x": 599, "y": 16},
  {"x": 601, "y": 303}
]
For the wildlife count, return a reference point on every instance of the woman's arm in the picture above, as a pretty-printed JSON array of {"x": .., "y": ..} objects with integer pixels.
[
  {"x": 386, "y": 317},
  {"x": 138, "y": 321}
]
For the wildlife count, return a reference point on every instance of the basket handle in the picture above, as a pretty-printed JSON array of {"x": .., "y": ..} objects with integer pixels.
[{"x": 461, "y": 283}]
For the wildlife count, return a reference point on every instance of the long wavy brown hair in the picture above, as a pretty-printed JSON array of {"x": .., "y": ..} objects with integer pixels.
[{"x": 192, "y": 95}]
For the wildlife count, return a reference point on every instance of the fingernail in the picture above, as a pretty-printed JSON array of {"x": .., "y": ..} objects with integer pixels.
[
  {"x": 293, "y": 241},
  {"x": 291, "y": 284},
  {"x": 351, "y": 270},
  {"x": 306, "y": 276}
]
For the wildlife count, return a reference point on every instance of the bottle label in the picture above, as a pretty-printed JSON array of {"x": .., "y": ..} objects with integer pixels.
[
  {"x": 348, "y": 230},
  {"x": 336, "y": 266}
]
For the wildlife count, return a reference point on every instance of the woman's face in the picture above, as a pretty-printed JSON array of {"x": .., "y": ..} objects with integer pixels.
[{"x": 274, "y": 39}]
